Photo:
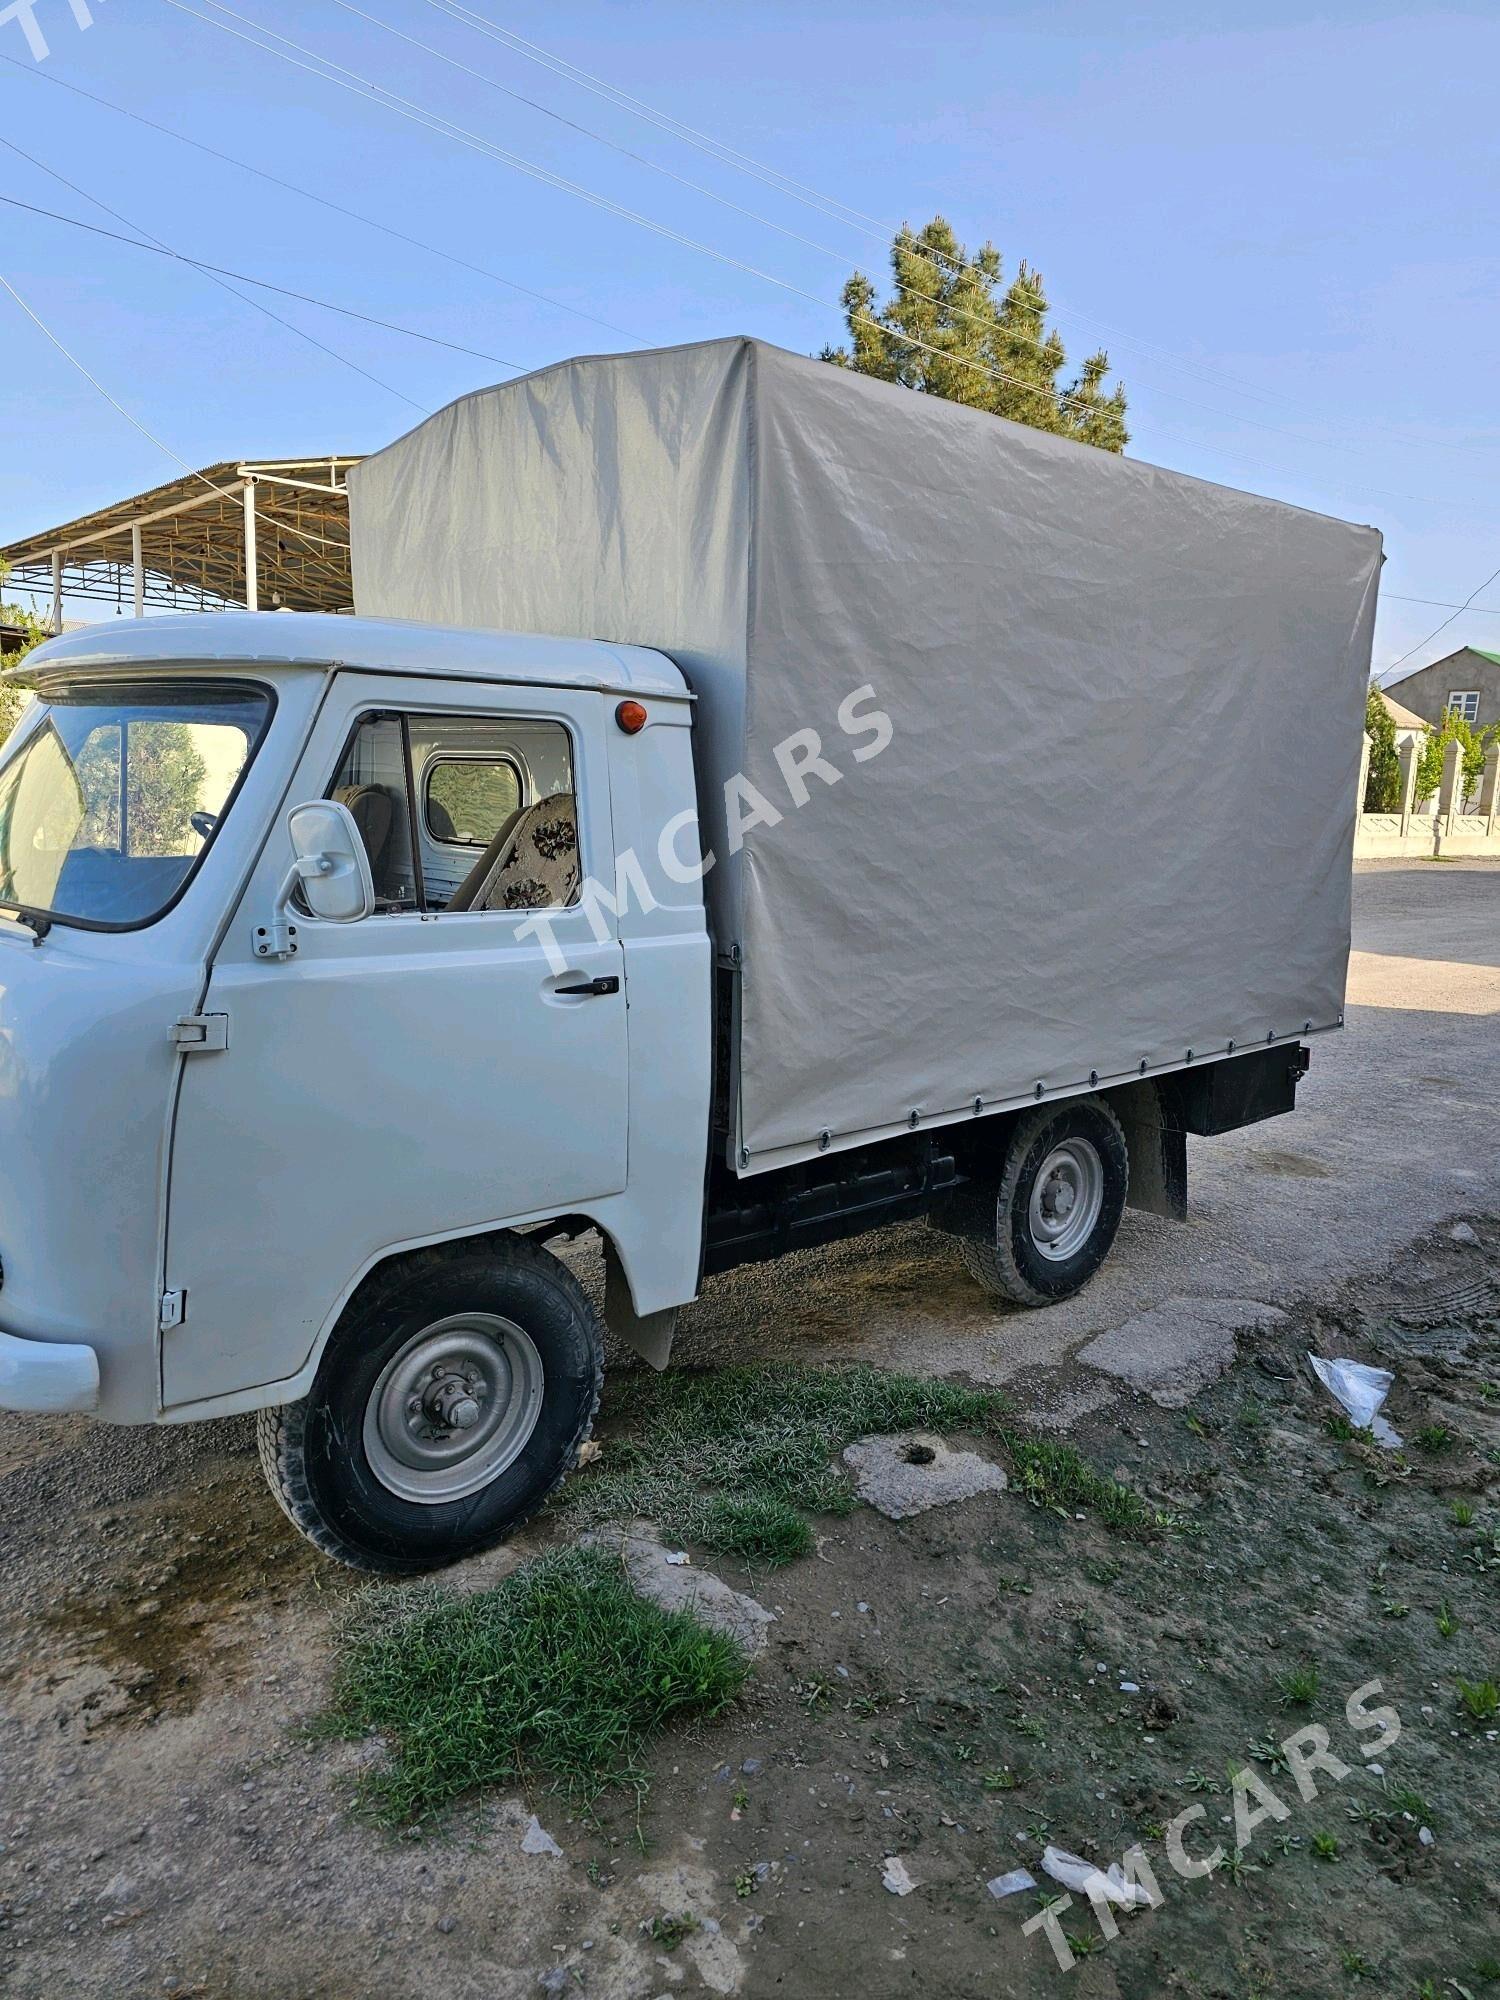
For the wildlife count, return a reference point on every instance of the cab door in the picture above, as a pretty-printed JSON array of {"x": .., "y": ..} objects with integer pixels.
[{"x": 424, "y": 1073}]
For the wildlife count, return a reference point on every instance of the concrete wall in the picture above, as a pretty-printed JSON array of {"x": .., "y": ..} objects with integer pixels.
[
  {"x": 1426, "y": 694},
  {"x": 1447, "y": 828}
]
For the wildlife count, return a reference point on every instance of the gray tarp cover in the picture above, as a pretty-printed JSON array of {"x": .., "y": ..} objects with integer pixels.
[{"x": 1114, "y": 821}]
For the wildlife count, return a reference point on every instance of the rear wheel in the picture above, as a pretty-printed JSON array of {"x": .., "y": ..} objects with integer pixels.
[
  {"x": 1041, "y": 1232},
  {"x": 447, "y": 1406}
]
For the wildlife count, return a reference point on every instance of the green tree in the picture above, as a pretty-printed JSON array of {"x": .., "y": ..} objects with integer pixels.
[
  {"x": 1383, "y": 787},
  {"x": 13, "y": 698},
  {"x": 163, "y": 788},
  {"x": 1455, "y": 728},
  {"x": 953, "y": 328}
]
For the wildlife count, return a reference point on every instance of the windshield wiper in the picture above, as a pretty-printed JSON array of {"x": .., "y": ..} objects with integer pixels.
[{"x": 34, "y": 920}]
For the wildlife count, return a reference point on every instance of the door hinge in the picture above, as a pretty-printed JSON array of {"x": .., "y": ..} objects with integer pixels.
[
  {"x": 173, "y": 1310},
  {"x": 201, "y": 1034}
]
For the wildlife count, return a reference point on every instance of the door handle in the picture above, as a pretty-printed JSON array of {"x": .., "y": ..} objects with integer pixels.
[{"x": 589, "y": 989}]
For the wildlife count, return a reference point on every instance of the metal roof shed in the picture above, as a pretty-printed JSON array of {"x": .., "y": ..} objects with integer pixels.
[{"x": 270, "y": 534}]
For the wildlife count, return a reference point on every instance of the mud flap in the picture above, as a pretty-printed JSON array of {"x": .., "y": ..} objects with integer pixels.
[
  {"x": 1158, "y": 1152},
  {"x": 650, "y": 1334}
]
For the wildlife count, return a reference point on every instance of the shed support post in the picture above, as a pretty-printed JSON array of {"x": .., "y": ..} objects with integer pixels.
[
  {"x": 139, "y": 567},
  {"x": 252, "y": 567},
  {"x": 56, "y": 591}
]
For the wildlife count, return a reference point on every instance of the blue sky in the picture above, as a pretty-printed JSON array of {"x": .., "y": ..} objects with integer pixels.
[{"x": 1283, "y": 230}]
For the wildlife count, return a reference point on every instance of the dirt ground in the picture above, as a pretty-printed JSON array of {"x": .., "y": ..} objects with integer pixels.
[{"x": 947, "y": 1690}]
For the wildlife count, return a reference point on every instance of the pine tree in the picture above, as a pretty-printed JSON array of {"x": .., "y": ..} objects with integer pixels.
[{"x": 953, "y": 328}]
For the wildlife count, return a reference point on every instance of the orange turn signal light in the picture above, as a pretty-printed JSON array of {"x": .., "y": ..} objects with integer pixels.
[{"x": 631, "y": 717}]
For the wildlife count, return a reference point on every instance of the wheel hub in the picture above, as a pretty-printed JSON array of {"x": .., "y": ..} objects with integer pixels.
[
  {"x": 1067, "y": 1199},
  {"x": 453, "y": 1408}
]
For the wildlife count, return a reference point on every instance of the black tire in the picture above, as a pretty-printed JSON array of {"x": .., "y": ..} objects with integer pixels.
[
  {"x": 313, "y": 1452},
  {"x": 999, "y": 1247}
]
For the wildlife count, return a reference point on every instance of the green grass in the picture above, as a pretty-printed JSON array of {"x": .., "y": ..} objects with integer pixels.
[
  {"x": 762, "y": 1528},
  {"x": 766, "y": 1433},
  {"x": 681, "y": 1446},
  {"x": 561, "y": 1669},
  {"x": 1480, "y": 1698},
  {"x": 1298, "y": 1687}
]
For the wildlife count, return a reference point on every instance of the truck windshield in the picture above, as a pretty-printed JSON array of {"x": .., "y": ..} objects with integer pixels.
[{"x": 107, "y": 805}]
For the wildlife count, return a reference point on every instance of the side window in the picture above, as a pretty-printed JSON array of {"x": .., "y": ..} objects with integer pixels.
[
  {"x": 464, "y": 812},
  {"x": 469, "y": 797}
]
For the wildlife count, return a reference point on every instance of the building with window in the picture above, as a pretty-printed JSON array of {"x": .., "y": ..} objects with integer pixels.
[{"x": 1468, "y": 680}]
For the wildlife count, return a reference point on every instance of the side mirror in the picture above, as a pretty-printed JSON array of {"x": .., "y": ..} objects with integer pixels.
[
  {"x": 331, "y": 870},
  {"x": 332, "y": 866}
]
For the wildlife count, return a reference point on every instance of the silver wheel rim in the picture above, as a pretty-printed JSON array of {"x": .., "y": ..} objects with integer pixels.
[
  {"x": 1067, "y": 1199},
  {"x": 453, "y": 1408}
]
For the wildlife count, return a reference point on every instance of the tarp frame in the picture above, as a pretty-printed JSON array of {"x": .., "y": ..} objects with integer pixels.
[{"x": 1112, "y": 834}]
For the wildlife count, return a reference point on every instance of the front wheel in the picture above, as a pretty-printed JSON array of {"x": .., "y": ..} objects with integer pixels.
[
  {"x": 1040, "y": 1234},
  {"x": 447, "y": 1406}
]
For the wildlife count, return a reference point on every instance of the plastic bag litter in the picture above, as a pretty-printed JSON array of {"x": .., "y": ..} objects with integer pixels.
[
  {"x": 1360, "y": 1391},
  {"x": 894, "y": 1876},
  {"x": 1110, "y": 1883},
  {"x": 537, "y": 1840},
  {"x": 1011, "y": 1884}
]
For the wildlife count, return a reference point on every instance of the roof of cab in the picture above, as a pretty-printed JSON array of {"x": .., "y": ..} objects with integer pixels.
[{"x": 235, "y": 640}]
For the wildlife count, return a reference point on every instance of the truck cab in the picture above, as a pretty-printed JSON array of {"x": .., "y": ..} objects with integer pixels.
[{"x": 223, "y": 1113}]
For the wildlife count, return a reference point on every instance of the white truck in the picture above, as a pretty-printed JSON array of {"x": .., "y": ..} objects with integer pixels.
[{"x": 908, "y": 813}]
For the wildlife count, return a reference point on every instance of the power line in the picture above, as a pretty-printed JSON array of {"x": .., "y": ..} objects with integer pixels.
[
  {"x": 244, "y": 277},
  {"x": 324, "y": 67},
  {"x": 1456, "y": 613},
  {"x": 1440, "y": 603},
  {"x": 347, "y": 79},
  {"x": 213, "y": 278},
  {"x": 94, "y": 383},
  {"x": 925, "y": 253},
  {"x": 851, "y": 217},
  {"x": 715, "y": 148},
  {"x": 587, "y": 131},
  {"x": 323, "y": 201}
]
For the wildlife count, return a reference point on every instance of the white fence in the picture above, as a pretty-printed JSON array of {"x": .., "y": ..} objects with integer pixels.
[{"x": 1450, "y": 830}]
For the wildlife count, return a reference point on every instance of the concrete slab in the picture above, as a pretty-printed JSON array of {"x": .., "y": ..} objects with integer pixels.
[
  {"x": 680, "y": 1586},
  {"x": 1177, "y": 1350},
  {"x": 905, "y": 1475}
]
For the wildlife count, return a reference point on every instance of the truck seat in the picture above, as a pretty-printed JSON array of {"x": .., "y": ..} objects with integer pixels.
[
  {"x": 464, "y": 896},
  {"x": 371, "y": 807},
  {"x": 531, "y": 864}
]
